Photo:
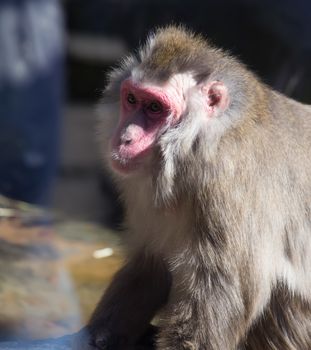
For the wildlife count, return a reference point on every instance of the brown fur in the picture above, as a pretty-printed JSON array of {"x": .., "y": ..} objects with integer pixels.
[
  {"x": 174, "y": 50},
  {"x": 285, "y": 324},
  {"x": 220, "y": 226}
]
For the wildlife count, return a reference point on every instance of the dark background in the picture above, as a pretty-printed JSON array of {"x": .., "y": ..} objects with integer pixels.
[{"x": 272, "y": 37}]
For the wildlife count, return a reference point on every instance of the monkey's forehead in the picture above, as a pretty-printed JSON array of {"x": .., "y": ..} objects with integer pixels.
[{"x": 174, "y": 50}]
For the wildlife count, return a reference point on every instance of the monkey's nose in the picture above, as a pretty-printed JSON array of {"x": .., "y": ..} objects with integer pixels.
[{"x": 130, "y": 135}]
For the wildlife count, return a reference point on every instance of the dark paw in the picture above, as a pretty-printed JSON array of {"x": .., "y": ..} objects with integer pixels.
[
  {"x": 86, "y": 340},
  {"x": 105, "y": 340}
]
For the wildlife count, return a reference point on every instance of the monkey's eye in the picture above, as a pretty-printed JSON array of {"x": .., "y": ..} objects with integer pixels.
[
  {"x": 131, "y": 99},
  {"x": 155, "y": 107}
]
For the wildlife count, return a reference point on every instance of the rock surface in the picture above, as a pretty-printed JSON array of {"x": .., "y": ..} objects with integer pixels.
[{"x": 52, "y": 271}]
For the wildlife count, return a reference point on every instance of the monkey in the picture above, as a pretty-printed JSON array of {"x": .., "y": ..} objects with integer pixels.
[{"x": 214, "y": 170}]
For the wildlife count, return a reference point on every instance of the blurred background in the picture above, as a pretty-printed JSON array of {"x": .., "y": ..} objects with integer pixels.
[{"x": 53, "y": 60}]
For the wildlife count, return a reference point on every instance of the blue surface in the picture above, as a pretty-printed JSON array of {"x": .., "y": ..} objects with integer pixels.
[{"x": 31, "y": 95}]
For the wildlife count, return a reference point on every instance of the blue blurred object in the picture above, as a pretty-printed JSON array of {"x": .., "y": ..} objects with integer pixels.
[{"x": 31, "y": 96}]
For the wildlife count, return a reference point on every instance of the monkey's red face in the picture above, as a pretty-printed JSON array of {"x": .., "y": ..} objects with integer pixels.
[{"x": 145, "y": 109}]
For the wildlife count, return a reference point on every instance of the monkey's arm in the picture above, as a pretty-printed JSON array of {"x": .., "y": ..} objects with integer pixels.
[{"x": 137, "y": 291}]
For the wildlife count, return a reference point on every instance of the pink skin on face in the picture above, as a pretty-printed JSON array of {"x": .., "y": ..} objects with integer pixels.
[{"x": 144, "y": 110}]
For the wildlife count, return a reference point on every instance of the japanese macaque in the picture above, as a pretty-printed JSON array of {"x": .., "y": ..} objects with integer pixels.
[{"x": 214, "y": 169}]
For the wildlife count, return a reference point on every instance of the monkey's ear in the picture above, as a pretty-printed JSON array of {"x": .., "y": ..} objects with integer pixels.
[{"x": 217, "y": 97}]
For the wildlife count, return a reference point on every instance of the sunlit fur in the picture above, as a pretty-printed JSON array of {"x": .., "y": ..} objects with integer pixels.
[{"x": 224, "y": 202}]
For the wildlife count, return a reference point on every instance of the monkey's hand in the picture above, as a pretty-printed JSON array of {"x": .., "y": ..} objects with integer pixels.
[
  {"x": 100, "y": 339},
  {"x": 105, "y": 340}
]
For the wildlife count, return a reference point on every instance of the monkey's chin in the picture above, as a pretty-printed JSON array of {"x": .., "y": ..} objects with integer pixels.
[
  {"x": 133, "y": 166},
  {"x": 125, "y": 165},
  {"x": 125, "y": 168}
]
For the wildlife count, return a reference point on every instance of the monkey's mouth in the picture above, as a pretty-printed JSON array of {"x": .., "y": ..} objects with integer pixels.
[{"x": 126, "y": 165}]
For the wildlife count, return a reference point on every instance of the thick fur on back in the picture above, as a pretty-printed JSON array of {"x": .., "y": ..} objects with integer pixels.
[{"x": 233, "y": 194}]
